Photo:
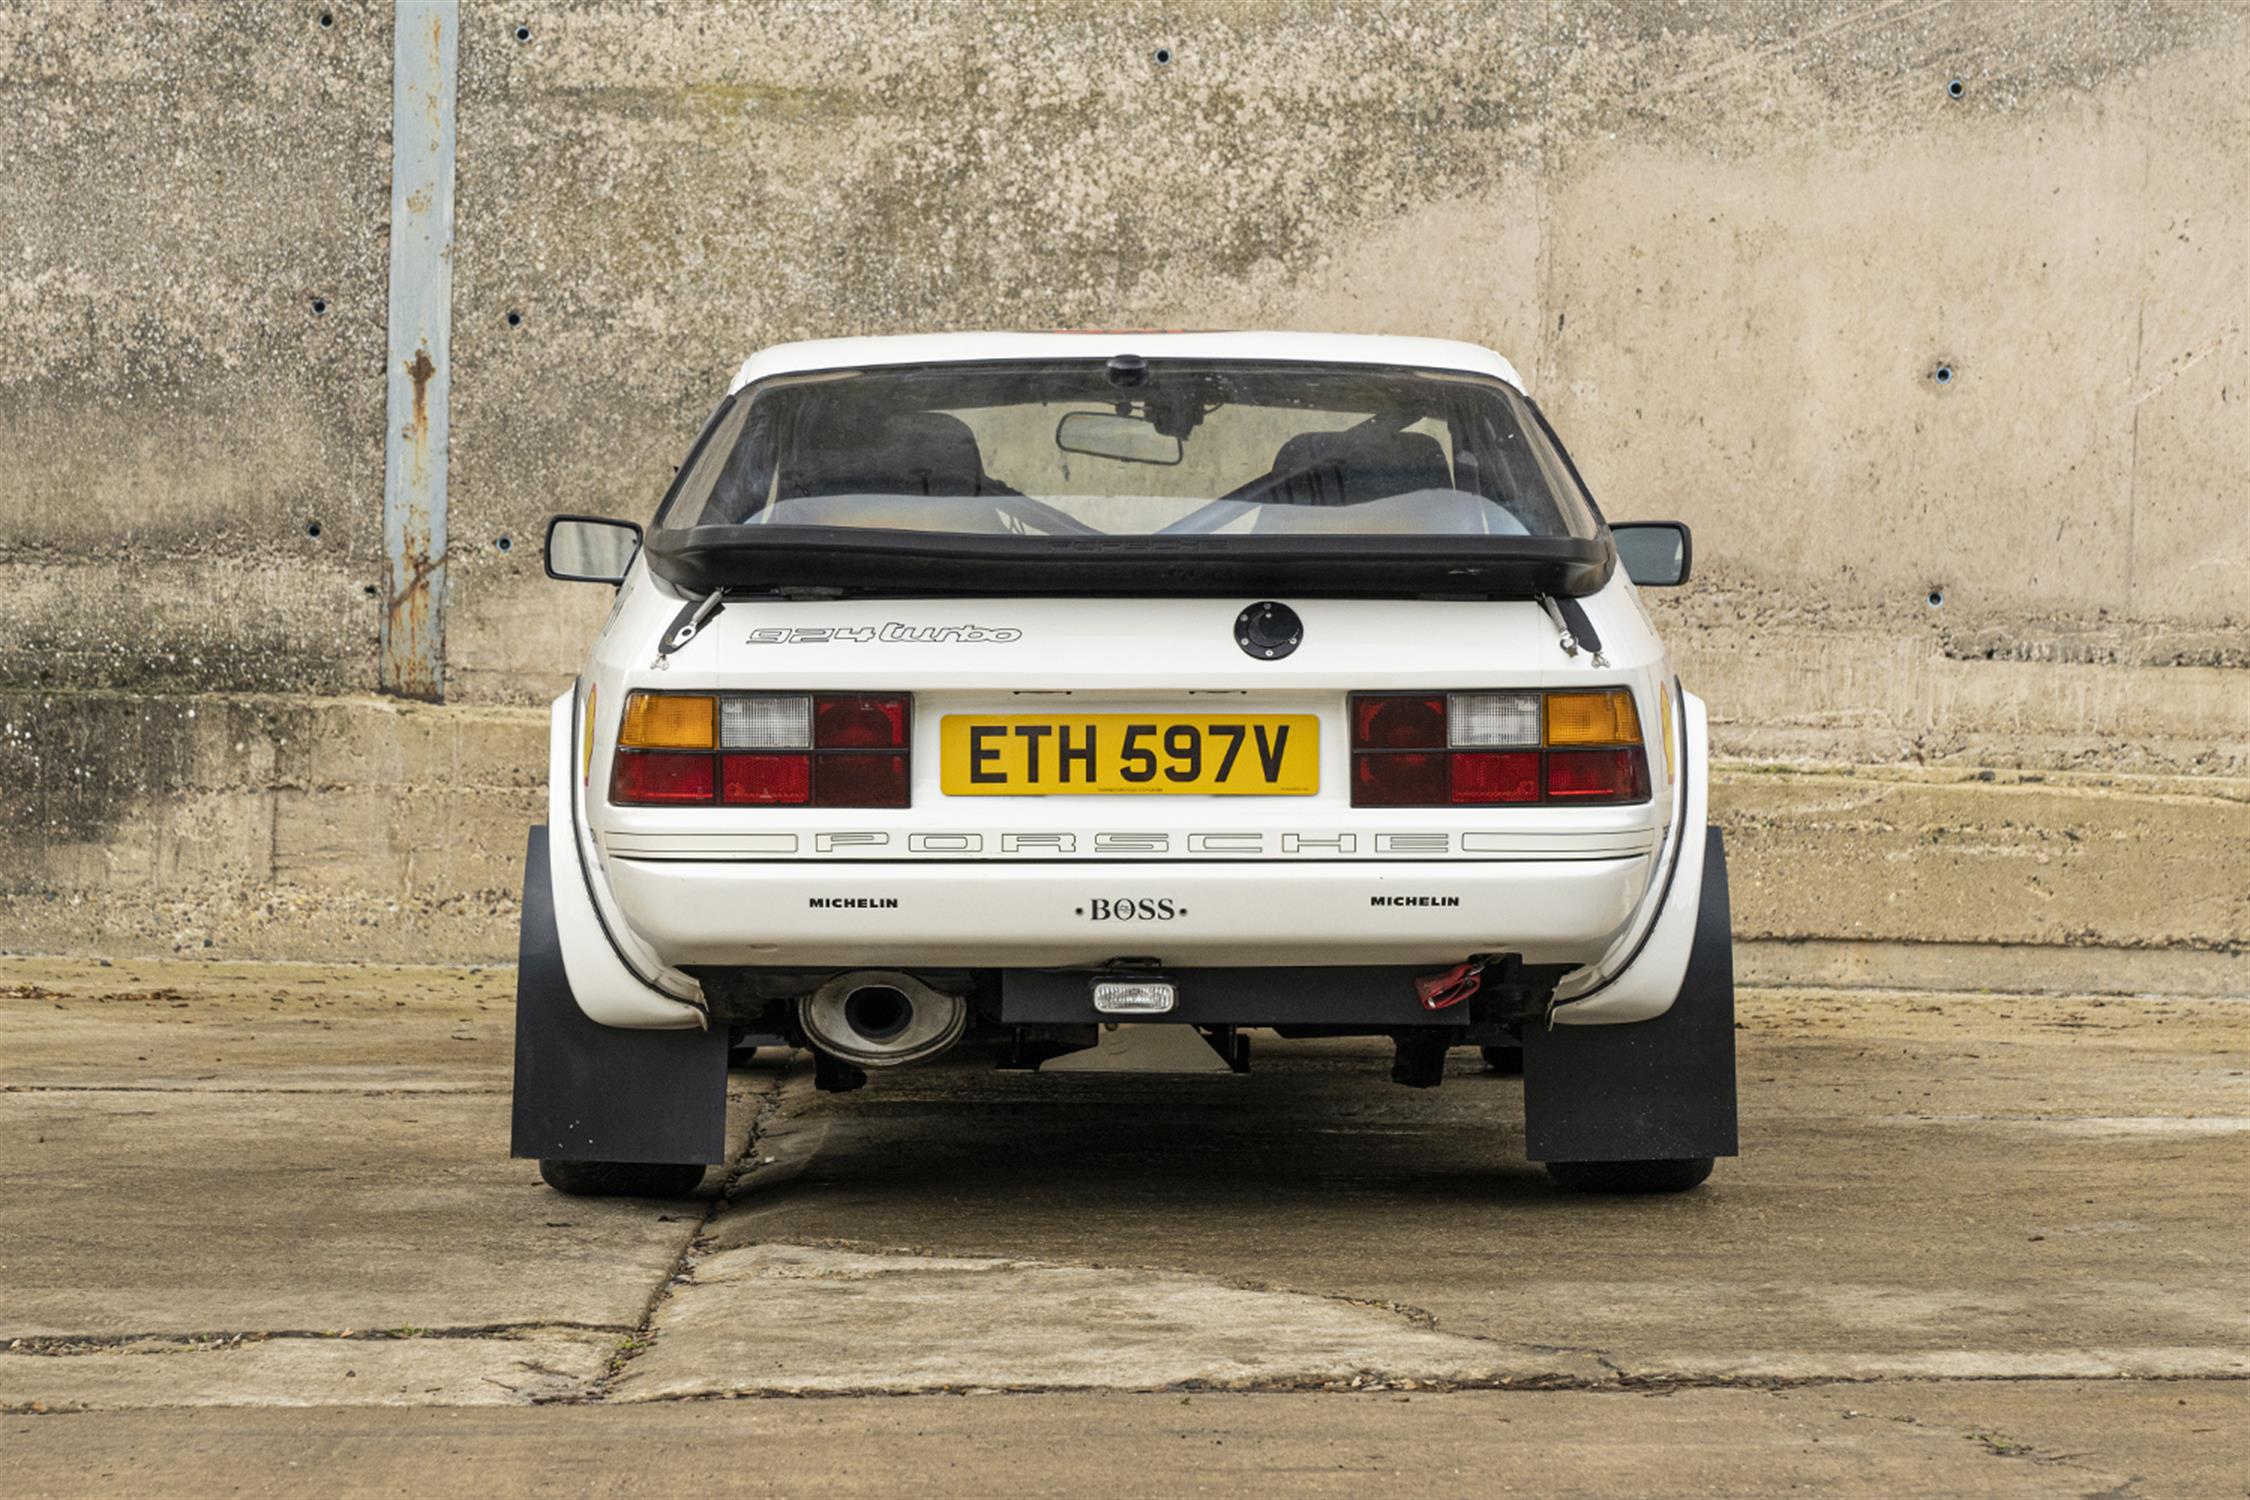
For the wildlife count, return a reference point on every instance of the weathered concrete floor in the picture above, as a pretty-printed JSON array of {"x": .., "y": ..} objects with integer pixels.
[{"x": 1990, "y": 1244}]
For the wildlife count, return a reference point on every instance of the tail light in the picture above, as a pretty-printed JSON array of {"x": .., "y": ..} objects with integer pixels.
[
  {"x": 763, "y": 750},
  {"x": 1491, "y": 749}
]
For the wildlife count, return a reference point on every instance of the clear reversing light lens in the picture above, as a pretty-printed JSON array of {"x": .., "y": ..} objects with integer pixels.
[
  {"x": 1137, "y": 997},
  {"x": 1492, "y": 721},
  {"x": 766, "y": 722}
]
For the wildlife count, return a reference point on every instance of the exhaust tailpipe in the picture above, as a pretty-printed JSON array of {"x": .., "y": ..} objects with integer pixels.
[{"x": 880, "y": 1018}]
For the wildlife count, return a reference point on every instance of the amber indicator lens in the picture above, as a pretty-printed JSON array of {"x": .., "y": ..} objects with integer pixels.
[
  {"x": 1603, "y": 718},
  {"x": 668, "y": 721}
]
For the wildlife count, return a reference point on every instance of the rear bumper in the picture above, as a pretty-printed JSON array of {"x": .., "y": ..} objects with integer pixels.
[
  {"x": 627, "y": 925},
  {"x": 988, "y": 915}
]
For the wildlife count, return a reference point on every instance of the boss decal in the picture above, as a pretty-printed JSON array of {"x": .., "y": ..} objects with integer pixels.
[
  {"x": 1131, "y": 909},
  {"x": 868, "y": 635}
]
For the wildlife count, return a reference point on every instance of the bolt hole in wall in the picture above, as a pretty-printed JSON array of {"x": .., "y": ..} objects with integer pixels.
[
  {"x": 1936, "y": 599},
  {"x": 319, "y": 307},
  {"x": 327, "y": 18},
  {"x": 1943, "y": 374},
  {"x": 505, "y": 543},
  {"x": 515, "y": 319},
  {"x": 1163, "y": 56},
  {"x": 523, "y": 33},
  {"x": 1955, "y": 89},
  {"x": 312, "y": 529}
]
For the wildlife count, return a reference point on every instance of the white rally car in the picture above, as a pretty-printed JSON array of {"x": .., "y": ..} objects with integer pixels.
[{"x": 1015, "y": 695}]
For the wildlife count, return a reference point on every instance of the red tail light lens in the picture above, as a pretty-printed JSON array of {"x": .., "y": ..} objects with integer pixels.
[
  {"x": 860, "y": 780},
  {"x": 841, "y": 723},
  {"x": 1488, "y": 776},
  {"x": 1597, "y": 776},
  {"x": 1400, "y": 779},
  {"x": 1398, "y": 723},
  {"x": 766, "y": 780},
  {"x": 1490, "y": 748},
  {"x": 658, "y": 778}
]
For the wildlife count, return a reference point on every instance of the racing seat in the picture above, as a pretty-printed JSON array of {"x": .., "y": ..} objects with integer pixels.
[
  {"x": 909, "y": 453},
  {"x": 1355, "y": 466}
]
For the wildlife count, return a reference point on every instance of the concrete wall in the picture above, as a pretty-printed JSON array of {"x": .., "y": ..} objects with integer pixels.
[{"x": 1730, "y": 244}]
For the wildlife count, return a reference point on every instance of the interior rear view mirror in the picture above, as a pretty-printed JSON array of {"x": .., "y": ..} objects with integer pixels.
[
  {"x": 1104, "y": 434},
  {"x": 1656, "y": 554},
  {"x": 590, "y": 549}
]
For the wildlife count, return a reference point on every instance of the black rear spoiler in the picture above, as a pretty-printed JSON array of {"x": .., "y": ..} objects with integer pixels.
[{"x": 858, "y": 560}]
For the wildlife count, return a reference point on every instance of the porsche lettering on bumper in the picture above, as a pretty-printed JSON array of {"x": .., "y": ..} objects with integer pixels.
[{"x": 878, "y": 843}]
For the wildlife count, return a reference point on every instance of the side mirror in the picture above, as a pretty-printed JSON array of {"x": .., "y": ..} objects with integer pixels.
[
  {"x": 590, "y": 549},
  {"x": 1656, "y": 554},
  {"x": 1131, "y": 440}
]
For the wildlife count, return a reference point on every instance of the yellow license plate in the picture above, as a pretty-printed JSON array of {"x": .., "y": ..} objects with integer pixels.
[{"x": 1039, "y": 755}]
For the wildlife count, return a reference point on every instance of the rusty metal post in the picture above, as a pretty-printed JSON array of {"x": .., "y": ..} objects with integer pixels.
[{"x": 425, "y": 62}]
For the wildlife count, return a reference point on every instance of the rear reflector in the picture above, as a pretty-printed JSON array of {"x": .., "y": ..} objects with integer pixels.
[{"x": 660, "y": 779}]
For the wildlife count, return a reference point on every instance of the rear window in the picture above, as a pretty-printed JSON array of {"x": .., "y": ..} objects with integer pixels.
[{"x": 1126, "y": 448}]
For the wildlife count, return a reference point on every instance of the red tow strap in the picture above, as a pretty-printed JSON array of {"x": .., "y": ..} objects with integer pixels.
[{"x": 1443, "y": 991}]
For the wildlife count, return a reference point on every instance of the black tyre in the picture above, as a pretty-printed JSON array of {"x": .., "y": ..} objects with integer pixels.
[
  {"x": 622, "y": 1179},
  {"x": 1675, "y": 1176},
  {"x": 1505, "y": 1060}
]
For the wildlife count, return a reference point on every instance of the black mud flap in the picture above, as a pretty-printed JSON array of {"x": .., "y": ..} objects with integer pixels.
[
  {"x": 1652, "y": 1090},
  {"x": 589, "y": 1092}
]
